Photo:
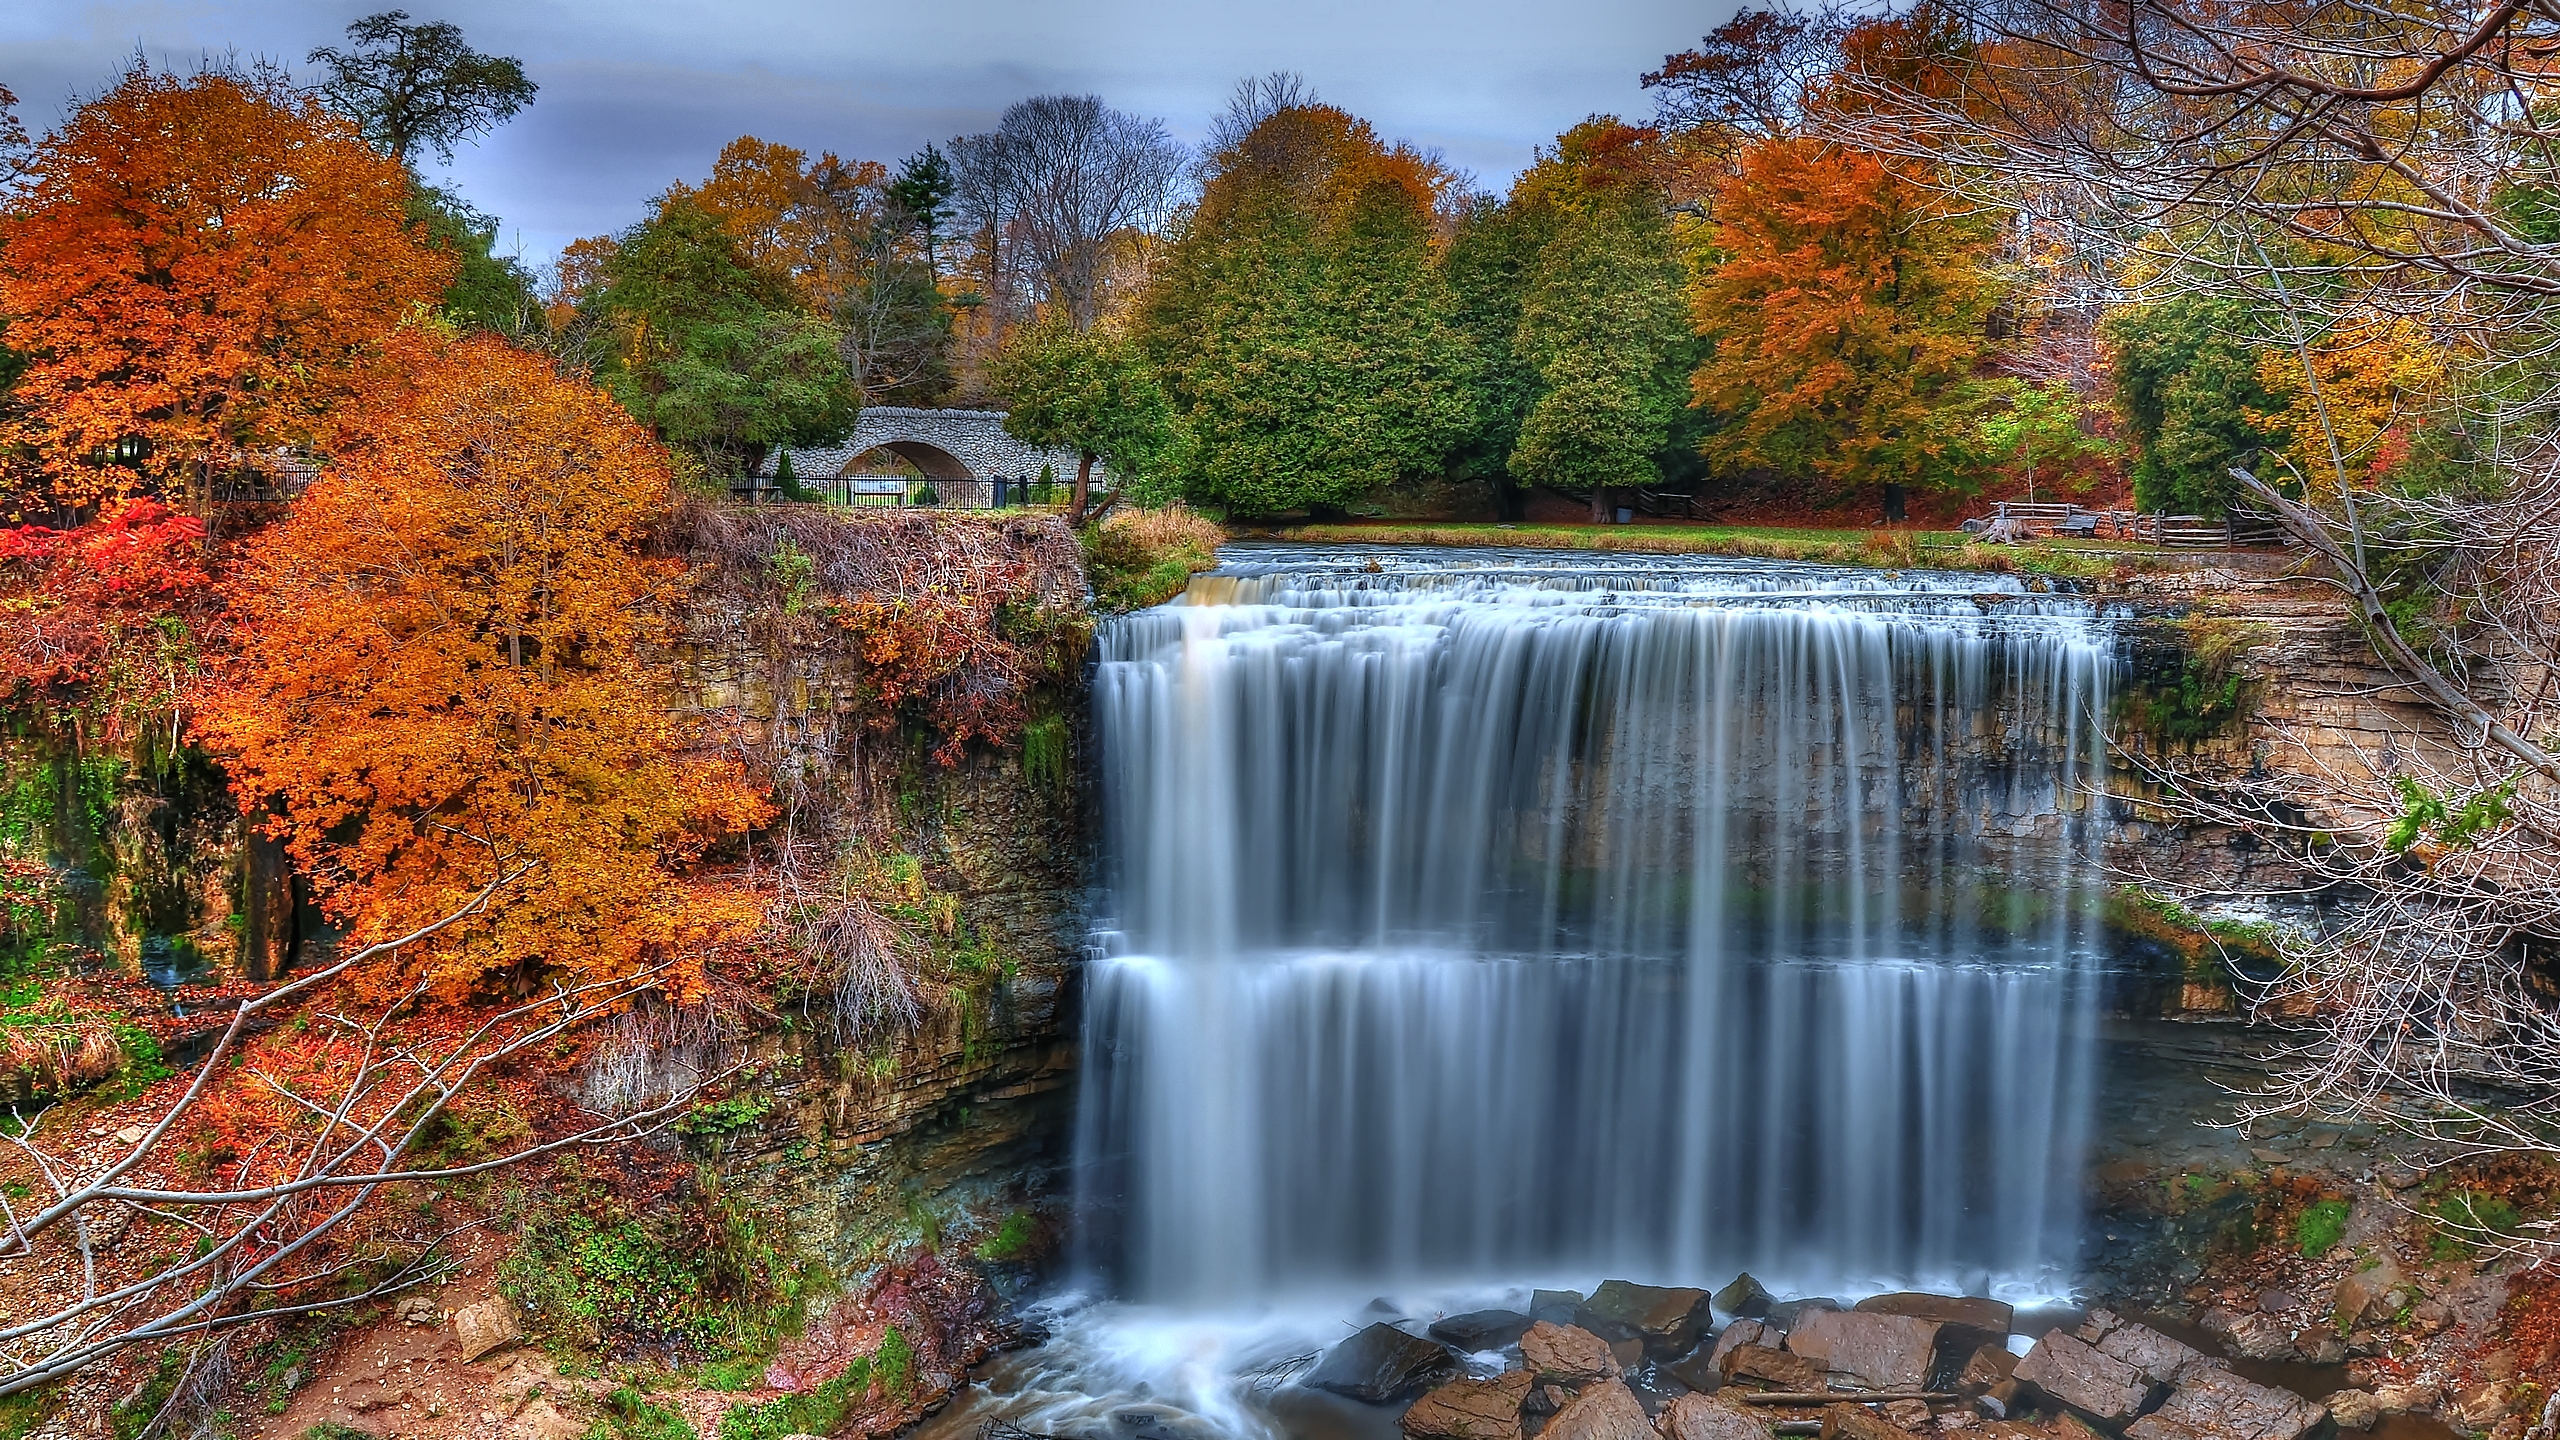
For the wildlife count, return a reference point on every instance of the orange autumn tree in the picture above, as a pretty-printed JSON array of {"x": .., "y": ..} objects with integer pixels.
[
  {"x": 444, "y": 673},
  {"x": 198, "y": 270},
  {"x": 1845, "y": 322}
]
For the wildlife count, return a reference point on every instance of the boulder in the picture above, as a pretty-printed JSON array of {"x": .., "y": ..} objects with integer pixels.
[
  {"x": 1868, "y": 1351},
  {"x": 2373, "y": 1294},
  {"x": 1605, "y": 1411},
  {"x": 2483, "y": 1405},
  {"x": 1481, "y": 1329},
  {"x": 1554, "y": 1306},
  {"x": 1380, "y": 1363},
  {"x": 2353, "y": 1409},
  {"x": 1857, "y": 1422},
  {"x": 2250, "y": 1335},
  {"x": 1744, "y": 1297},
  {"x": 1704, "y": 1417},
  {"x": 2163, "y": 1360},
  {"x": 1668, "y": 1320},
  {"x": 1907, "y": 1414},
  {"x": 2407, "y": 1399},
  {"x": 1777, "y": 1369},
  {"x": 1986, "y": 1367},
  {"x": 1629, "y": 1353},
  {"x": 486, "y": 1328},
  {"x": 1470, "y": 1409},
  {"x": 2218, "y": 1405},
  {"x": 2105, "y": 1389},
  {"x": 1740, "y": 1332},
  {"x": 1566, "y": 1355},
  {"x": 1698, "y": 1371},
  {"x": 1787, "y": 1314},
  {"x": 1970, "y": 1311},
  {"x": 1156, "y": 1422}
]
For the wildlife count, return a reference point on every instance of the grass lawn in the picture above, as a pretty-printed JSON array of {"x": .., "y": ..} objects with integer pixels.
[{"x": 1914, "y": 549}]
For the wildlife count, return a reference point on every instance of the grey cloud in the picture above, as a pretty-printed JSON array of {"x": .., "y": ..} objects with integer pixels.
[{"x": 637, "y": 95}]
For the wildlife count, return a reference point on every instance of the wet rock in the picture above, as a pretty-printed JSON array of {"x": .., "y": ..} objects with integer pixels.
[
  {"x": 1869, "y": 1351},
  {"x": 2159, "y": 1358},
  {"x": 1907, "y": 1414},
  {"x": 1668, "y": 1320},
  {"x": 1857, "y": 1422},
  {"x": 1604, "y": 1411},
  {"x": 2430, "y": 1318},
  {"x": 1544, "y": 1400},
  {"x": 1740, "y": 1332},
  {"x": 1704, "y": 1417},
  {"x": 2001, "y": 1399},
  {"x": 1776, "y": 1369},
  {"x": 1787, "y": 1314},
  {"x": 1481, "y": 1329},
  {"x": 1744, "y": 1297},
  {"x": 2406, "y": 1399},
  {"x": 1986, "y": 1367},
  {"x": 1566, "y": 1355},
  {"x": 2250, "y": 1335},
  {"x": 1698, "y": 1372},
  {"x": 2102, "y": 1387},
  {"x": 1381, "y": 1363},
  {"x": 486, "y": 1328},
  {"x": 1629, "y": 1353},
  {"x": 2218, "y": 1405},
  {"x": 1471, "y": 1409},
  {"x": 1556, "y": 1307},
  {"x": 2371, "y": 1295},
  {"x": 2354, "y": 1409},
  {"x": 2324, "y": 1350},
  {"x": 2275, "y": 1302},
  {"x": 1157, "y": 1422},
  {"x": 1967, "y": 1310}
]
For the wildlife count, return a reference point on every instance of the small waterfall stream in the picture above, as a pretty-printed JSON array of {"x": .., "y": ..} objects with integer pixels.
[{"x": 1478, "y": 915}]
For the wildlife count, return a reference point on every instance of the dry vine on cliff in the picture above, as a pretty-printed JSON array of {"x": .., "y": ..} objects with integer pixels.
[{"x": 846, "y": 633}]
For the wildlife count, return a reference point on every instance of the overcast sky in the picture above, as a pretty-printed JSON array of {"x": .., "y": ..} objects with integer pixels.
[{"x": 636, "y": 93}]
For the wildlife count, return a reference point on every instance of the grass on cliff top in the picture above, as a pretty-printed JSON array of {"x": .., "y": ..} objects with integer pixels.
[{"x": 1913, "y": 549}]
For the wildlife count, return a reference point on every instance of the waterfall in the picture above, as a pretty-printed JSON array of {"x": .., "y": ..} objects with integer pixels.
[{"x": 1483, "y": 914}]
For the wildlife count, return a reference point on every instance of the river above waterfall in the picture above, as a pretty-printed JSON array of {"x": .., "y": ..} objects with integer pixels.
[{"x": 1471, "y": 921}]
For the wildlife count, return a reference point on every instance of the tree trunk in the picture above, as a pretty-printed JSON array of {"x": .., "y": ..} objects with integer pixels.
[
  {"x": 1600, "y": 505},
  {"x": 1084, "y": 487}
]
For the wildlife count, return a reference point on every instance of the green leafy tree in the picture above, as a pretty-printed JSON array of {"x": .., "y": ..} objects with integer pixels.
[
  {"x": 1300, "y": 323},
  {"x": 2189, "y": 389},
  {"x": 923, "y": 190},
  {"x": 1486, "y": 268},
  {"x": 714, "y": 353},
  {"x": 414, "y": 86},
  {"x": 1092, "y": 392},
  {"x": 1603, "y": 327},
  {"x": 489, "y": 291},
  {"x": 2034, "y": 431}
]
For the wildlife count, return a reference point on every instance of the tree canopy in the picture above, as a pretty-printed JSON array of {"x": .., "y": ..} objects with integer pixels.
[
  {"x": 1301, "y": 323},
  {"x": 200, "y": 271},
  {"x": 414, "y": 87}
]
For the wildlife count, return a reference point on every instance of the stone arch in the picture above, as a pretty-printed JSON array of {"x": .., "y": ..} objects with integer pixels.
[
  {"x": 930, "y": 460},
  {"x": 949, "y": 446}
]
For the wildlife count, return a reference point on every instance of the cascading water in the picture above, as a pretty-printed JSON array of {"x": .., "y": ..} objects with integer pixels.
[
  {"x": 1480, "y": 916},
  {"x": 1481, "y": 919}
]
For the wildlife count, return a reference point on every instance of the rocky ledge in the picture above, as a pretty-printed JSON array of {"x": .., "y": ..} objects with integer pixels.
[{"x": 1643, "y": 1362}]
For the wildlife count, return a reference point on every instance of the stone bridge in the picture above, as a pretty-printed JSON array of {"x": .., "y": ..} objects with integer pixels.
[{"x": 946, "y": 445}]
